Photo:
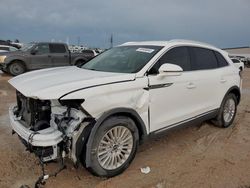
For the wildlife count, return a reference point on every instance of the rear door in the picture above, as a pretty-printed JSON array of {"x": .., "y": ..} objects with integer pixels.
[
  {"x": 228, "y": 76},
  {"x": 207, "y": 79},
  {"x": 41, "y": 59},
  {"x": 59, "y": 55}
]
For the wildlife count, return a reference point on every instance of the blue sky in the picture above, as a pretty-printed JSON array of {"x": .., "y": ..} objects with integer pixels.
[{"x": 224, "y": 23}]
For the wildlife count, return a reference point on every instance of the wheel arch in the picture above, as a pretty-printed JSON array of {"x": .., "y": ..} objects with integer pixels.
[
  {"x": 19, "y": 61},
  {"x": 236, "y": 91},
  {"x": 118, "y": 111},
  {"x": 79, "y": 59},
  {"x": 11, "y": 62}
]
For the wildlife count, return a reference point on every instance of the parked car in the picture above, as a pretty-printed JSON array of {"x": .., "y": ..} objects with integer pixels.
[
  {"x": 38, "y": 56},
  {"x": 9, "y": 43},
  {"x": 238, "y": 64},
  {"x": 5, "y": 48},
  {"x": 90, "y": 53},
  {"x": 76, "y": 48},
  {"x": 100, "y": 112}
]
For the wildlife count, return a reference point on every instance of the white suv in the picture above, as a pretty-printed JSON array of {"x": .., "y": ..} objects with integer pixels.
[
  {"x": 239, "y": 64},
  {"x": 100, "y": 112}
]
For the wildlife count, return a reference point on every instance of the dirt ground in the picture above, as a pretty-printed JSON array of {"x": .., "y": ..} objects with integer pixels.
[{"x": 197, "y": 156}]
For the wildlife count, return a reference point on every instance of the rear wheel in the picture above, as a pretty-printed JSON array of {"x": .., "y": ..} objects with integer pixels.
[
  {"x": 227, "y": 111},
  {"x": 16, "y": 68},
  {"x": 114, "y": 147}
]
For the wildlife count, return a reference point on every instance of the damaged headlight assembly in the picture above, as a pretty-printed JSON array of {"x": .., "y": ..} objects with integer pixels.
[
  {"x": 54, "y": 128},
  {"x": 68, "y": 117}
]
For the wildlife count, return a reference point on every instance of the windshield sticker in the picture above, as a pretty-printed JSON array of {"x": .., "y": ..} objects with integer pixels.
[{"x": 145, "y": 50}]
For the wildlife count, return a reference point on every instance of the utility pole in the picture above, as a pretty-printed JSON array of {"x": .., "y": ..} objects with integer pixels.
[
  {"x": 111, "y": 41},
  {"x": 78, "y": 41}
]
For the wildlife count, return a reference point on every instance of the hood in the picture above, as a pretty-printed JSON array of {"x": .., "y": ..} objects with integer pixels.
[
  {"x": 55, "y": 82},
  {"x": 4, "y": 53},
  {"x": 18, "y": 52}
]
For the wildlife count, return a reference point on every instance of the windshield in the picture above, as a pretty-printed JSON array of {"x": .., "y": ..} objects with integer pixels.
[
  {"x": 123, "y": 59},
  {"x": 27, "y": 47}
]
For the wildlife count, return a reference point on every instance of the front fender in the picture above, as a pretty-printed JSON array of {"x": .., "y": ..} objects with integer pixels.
[
  {"x": 13, "y": 58},
  {"x": 126, "y": 111}
]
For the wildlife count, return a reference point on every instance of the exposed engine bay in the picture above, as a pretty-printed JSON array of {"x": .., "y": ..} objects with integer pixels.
[
  {"x": 35, "y": 113},
  {"x": 50, "y": 129},
  {"x": 44, "y": 116}
]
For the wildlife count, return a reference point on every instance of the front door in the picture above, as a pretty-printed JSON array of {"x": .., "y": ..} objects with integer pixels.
[
  {"x": 42, "y": 58},
  {"x": 171, "y": 97}
]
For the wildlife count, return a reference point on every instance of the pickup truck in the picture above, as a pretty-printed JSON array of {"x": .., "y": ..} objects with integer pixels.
[{"x": 33, "y": 56}]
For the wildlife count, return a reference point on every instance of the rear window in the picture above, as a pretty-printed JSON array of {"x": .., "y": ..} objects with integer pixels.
[
  {"x": 235, "y": 60},
  {"x": 57, "y": 48},
  {"x": 221, "y": 60},
  {"x": 203, "y": 58}
]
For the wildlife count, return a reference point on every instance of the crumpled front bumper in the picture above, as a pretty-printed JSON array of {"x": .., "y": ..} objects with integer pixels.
[
  {"x": 3, "y": 67},
  {"x": 43, "y": 138}
]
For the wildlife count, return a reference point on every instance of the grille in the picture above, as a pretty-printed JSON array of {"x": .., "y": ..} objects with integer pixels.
[{"x": 32, "y": 111}]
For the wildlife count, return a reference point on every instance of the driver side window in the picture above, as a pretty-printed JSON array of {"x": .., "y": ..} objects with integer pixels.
[
  {"x": 178, "y": 56},
  {"x": 42, "y": 48}
]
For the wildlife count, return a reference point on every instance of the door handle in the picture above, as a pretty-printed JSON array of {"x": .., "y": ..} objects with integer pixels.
[
  {"x": 49, "y": 55},
  {"x": 65, "y": 56},
  {"x": 191, "y": 85},
  {"x": 222, "y": 80}
]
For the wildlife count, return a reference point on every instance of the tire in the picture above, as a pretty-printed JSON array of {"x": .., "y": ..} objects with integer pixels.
[
  {"x": 79, "y": 63},
  {"x": 16, "y": 68},
  {"x": 102, "y": 148},
  {"x": 227, "y": 111}
]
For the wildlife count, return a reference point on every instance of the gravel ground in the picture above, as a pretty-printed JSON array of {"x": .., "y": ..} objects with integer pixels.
[{"x": 196, "y": 156}]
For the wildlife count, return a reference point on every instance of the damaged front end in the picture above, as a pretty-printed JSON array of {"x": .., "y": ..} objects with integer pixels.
[{"x": 50, "y": 128}]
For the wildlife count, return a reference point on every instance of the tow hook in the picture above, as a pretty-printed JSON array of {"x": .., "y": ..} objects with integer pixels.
[
  {"x": 41, "y": 181},
  {"x": 44, "y": 177}
]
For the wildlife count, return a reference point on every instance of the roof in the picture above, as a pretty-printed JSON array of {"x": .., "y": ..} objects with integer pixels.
[{"x": 170, "y": 42}]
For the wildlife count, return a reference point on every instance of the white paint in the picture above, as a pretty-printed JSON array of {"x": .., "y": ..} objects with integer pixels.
[{"x": 189, "y": 94}]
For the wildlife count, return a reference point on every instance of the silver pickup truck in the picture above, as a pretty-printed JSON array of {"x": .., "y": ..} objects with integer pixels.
[{"x": 40, "y": 55}]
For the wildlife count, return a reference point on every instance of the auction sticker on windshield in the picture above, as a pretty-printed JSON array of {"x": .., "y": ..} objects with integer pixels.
[{"x": 145, "y": 50}]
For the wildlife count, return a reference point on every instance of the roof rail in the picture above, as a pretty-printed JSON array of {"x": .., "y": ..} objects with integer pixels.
[{"x": 192, "y": 41}]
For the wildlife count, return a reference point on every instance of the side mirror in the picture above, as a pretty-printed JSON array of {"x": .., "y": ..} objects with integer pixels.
[
  {"x": 33, "y": 51},
  {"x": 170, "y": 70}
]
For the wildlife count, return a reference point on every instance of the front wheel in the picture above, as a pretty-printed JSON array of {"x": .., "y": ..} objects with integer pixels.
[
  {"x": 227, "y": 111},
  {"x": 16, "y": 68},
  {"x": 114, "y": 146}
]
